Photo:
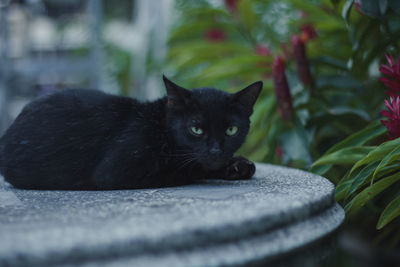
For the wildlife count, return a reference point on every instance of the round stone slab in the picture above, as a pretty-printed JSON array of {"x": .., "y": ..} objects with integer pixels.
[{"x": 212, "y": 223}]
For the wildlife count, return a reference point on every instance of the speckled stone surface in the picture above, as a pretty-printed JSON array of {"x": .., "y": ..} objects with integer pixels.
[{"x": 212, "y": 223}]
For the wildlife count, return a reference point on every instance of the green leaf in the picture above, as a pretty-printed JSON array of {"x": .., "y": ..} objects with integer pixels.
[
  {"x": 348, "y": 155},
  {"x": 344, "y": 185},
  {"x": 233, "y": 67},
  {"x": 204, "y": 50},
  {"x": 346, "y": 110},
  {"x": 389, "y": 158},
  {"x": 247, "y": 15},
  {"x": 341, "y": 189},
  {"x": 360, "y": 178},
  {"x": 378, "y": 153},
  {"x": 294, "y": 146},
  {"x": 370, "y": 192},
  {"x": 199, "y": 13},
  {"x": 197, "y": 29},
  {"x": 321, "y": 170},
  {"x": 330, "y": 61},
  {"x": 372, "y": 131},
  {"x": 346, "y": 182},
  {"x": 391, "y": 211},
  {"x": 342, "y": 81},
  {"x": 389, "y": 169},
  {"x": 346, "y": 10},
  {"x": 262, "y": 109},
  {"x": 313, "y": 10}
]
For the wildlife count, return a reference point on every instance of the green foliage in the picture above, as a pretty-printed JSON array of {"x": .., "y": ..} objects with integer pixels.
[
  {"x": 342, "y": 86},
  {"x": 368, "y": 193},
  {"x": 370, "y": 171},
  {"x": 348, "y": 155},
  {"x": 334, "y": 122},
  {"x": 391, "y": 211}
]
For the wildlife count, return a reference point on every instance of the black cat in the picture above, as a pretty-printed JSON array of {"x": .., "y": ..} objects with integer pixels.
[{"x": 86, "y": 139}]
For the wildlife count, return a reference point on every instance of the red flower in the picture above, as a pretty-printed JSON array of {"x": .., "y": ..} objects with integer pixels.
[
  {"x": 300, "y": 58},
  {"x": 215, "y": 35},
  {"x": 393, "y": 83},
  {"x": 262, "y": 50},
  {"x": 308, "y": 32},
  {"x": 393, "y": 124},
  {"x": 282, "y": 92},
  {"x": 231, "y": 5}
]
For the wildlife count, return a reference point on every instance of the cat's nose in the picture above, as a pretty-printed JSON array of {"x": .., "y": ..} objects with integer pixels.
[{"x": 215, "y": 149}]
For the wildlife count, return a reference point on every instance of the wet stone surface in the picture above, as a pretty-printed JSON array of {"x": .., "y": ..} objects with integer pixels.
[{"x": 212, "y": 223}]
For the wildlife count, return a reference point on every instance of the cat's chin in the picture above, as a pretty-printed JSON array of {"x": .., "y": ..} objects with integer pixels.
[{"x": 213, "y": 165}]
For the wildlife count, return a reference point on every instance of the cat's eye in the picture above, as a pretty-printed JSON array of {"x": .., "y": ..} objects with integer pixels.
[
  {"x": 231, "y": 130},
  {"x": 196, "y": 130}
]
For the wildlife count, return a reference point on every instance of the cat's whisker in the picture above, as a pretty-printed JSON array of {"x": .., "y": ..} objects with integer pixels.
[{"x": 186, "y": 163}]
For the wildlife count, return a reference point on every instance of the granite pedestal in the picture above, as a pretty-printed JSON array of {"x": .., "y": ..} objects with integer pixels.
[{"x": 213, "y": 223}]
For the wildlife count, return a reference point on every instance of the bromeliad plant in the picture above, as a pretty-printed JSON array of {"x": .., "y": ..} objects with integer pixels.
[{"x": 374, "y": 165}]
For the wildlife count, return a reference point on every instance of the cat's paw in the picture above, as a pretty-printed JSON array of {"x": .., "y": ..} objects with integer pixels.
[{"x": 239, "y": 168}]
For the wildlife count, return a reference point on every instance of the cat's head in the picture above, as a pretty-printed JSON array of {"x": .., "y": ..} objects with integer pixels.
[{"x": 209, "y": 125}]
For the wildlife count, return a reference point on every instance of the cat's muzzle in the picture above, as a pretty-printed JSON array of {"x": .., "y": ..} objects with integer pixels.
[{"x": 214, "y": 163}]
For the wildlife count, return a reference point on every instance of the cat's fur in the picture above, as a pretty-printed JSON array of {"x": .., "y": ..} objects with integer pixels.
[{"x": 86, "y": 139}]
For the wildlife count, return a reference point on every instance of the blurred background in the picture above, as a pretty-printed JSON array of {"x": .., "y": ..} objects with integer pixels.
[
  {"x": 328, "y": 66},
  {"x": 47, "y": 45}
]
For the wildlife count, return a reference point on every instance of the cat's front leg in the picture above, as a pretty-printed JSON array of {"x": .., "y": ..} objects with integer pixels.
[{"x": 238, "y": 168}]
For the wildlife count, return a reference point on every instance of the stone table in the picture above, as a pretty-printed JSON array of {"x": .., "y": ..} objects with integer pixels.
[{"x": 213, "y": 223}]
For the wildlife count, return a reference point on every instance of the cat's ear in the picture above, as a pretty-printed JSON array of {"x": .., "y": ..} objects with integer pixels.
[
  {"x": 176, "y": 96},
  {"x": 248, "y": 96}
]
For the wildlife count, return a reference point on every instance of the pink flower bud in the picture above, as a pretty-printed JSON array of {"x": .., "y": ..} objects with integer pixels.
[
  {"x": 300, "y": 58},
  {"x": 215, "y": 35},
  {"x": 231, "y": 5},
  {"x": 262, "y": 50},
  {"x": 308, "y": 32},
  {"x": 282, "y": 92}
]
